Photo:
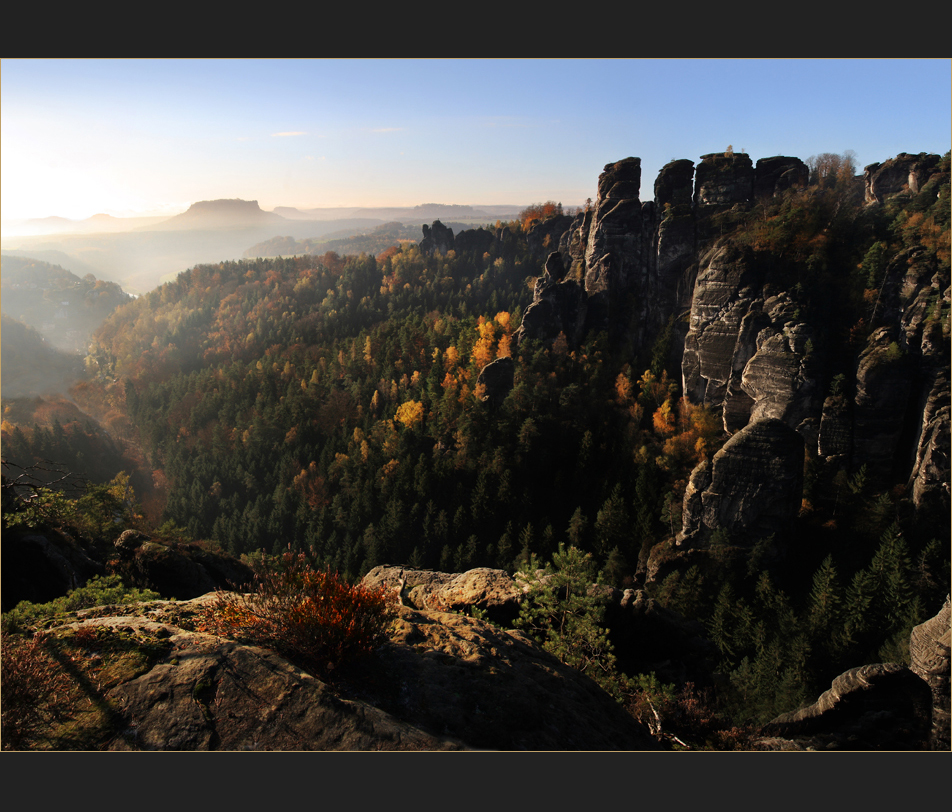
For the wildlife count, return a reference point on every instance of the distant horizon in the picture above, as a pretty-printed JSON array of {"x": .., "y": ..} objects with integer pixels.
[{"x": 149, "y": 137}]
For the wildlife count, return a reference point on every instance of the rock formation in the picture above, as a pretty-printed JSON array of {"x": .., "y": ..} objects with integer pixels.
[
  {"x": 904, "y": 173},
  {"x": 438, "y": 239},
  {"x": 443, "y": 682},
  {"x": 495, "y": 381},
  {"x": 751, "y": 488},
  {"x": 929, "y": 659},
  {"x": 882, "y": 706}
]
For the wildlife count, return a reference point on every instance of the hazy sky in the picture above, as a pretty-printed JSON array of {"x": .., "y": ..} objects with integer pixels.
[{"x": 79, "y": 137}]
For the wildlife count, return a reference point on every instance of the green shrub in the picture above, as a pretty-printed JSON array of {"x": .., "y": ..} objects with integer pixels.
[{"x": 98, "y": 591}]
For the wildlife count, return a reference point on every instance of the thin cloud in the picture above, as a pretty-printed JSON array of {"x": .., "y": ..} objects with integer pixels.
[
  {"x": 387, "y": 129},
  {"x": 285, "y": 135}
]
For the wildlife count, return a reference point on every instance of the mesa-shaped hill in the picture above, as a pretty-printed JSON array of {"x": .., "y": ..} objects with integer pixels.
[{"x": 215, "y": 214}]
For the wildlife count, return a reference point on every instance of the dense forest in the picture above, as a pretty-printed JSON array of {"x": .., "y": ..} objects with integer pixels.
[{"x": 333, "y": 404}]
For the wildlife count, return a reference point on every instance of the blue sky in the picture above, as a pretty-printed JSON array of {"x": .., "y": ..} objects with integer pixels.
[{"x": 81, "y": 137}]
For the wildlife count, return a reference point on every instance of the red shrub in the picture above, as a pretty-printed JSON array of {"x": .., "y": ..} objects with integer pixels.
[{"x": 311, "y": 616}]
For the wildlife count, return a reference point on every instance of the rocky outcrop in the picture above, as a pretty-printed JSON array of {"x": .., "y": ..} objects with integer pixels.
[
  {"x": 724, "y": 179},
  {"x": 557, "y": 307},
  {"x": 488, "y": 590},
  {"x": 491, "y": 591},
  {"x": 437, "y": 239},
  {"x": 929, "y": 480},
  {"x": 775, "y": 175},
  {"x": 751, "y": 488},
  {"x": 42, "y": 566},
  {"x": 929, "y": 659},
  {"x": 746, "y": 351},
  {"x": 473, "y": 240},
  {"x": 495, "y": 381},
  {"x": 543, "y": 236},
  {"x": 174, "y": 570},
  {"x": 883, "y": 383},
  {"x": 648, "y": 638},
  {"x": 615, "y": 253},
  {"x": 883, "y": 706},
  {"x": 443, "y": 681},
  {"x": 904, "y": 173}
]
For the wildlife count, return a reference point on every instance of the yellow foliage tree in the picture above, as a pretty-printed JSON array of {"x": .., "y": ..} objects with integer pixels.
[{"x": 410, "y": 413}]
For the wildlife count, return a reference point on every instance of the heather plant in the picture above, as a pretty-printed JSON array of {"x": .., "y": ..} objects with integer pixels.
[{"x": 311, "y": 616}]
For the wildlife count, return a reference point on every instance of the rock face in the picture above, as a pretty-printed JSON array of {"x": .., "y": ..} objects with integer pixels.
[
  {"x": 543, "y": 235},
  {"x": 557, "y": 307},
  {"x": 491, "y": 591},
  {"x": 751, "y": 488},
  {"x": 443, "y": 682},
  {"x": 883, "y": 706},
  {"x": 900, "y": 174},
  {"x": 40, "y": 567},
  {"x": 746, "y": 351},
  {"x": 775, "y": 175},
  {"x": 181, "y": 571},
  {"x": 495, "y": 381},
  {"x": 929, "y": 655},
  {"x": 648, "y": 638},
  {"x": 439, "y": 239}
]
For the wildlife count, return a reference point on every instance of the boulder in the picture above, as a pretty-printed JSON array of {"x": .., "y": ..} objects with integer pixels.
[
  {"x": 492, "y": 591},
  {"x": 40, "y": 566}
]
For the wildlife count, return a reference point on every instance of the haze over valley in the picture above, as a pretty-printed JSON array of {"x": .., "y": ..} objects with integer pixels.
[{"x": 475, "y": 425}]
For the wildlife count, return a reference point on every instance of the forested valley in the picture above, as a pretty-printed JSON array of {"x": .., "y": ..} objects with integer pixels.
[{"x": 333, "y": 405}]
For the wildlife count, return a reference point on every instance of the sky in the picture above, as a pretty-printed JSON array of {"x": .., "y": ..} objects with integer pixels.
[{"x": 147, "y": 137}]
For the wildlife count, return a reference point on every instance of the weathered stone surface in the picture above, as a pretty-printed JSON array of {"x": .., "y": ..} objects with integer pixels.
[
  {"x": 724, "y": 179},
  {"x": 929, "y": 658},
  {"x": 495, "y": 381},
  {"x": 443, "y": 682},
  {"x": 615, "y": 254},
  {"x": 883, "y": 383},
  {"x": 882, "y": 706},
  {"x": 903, "y": 173},
  {"x": 496, "y": 689},
  {"x": 835, "y": 438},
  {"x": 647, "y": 637},
  {"x": 474, "y": 240},
  {"x": 180, "y": 571},
  {"x": 573, "y": 243},
  {"x": 674, "y": 186},
  {"x": 751, "y": 488},
  {"x": 723, "y": 293},
  {"x": 492, "y": 591},
  {"x": 437, "y": 239},
  {"x": 779, "y": 173},
  {"x": 558, "y": 307},
  {"x": 209, "y": 693},
  {"x": 544, "y": 236},
  {"x": 42, "y": 566}
]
